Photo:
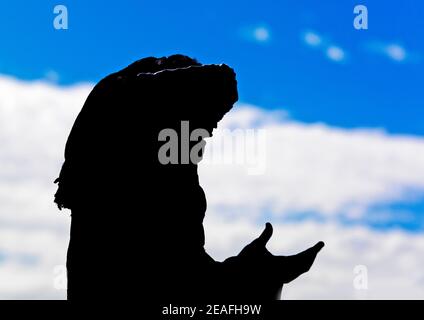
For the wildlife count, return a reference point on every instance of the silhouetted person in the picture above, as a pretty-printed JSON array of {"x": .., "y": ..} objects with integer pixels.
[{"x": 137, "y": 223}]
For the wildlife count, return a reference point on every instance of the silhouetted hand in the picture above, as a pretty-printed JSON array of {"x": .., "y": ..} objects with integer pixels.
[{"x": 278, "y": 270}]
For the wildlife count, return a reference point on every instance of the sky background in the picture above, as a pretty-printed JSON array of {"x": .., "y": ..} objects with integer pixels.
[{"x": 342, "y": 108}]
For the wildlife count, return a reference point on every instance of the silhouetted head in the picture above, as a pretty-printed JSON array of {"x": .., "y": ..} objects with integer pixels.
[
  {"x": 201, "y": 94},
  {"x": 126, "y": 111},
  {"x": 153, "y": 64}
]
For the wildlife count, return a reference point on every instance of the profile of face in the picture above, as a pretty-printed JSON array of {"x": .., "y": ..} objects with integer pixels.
[
  {"x": 199, "y": 133},
  {"x": 197, "y": 99},
  {"x": 207, "y": 126}
]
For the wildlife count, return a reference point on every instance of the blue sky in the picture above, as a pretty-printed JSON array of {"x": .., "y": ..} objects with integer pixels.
[
  {"x": 360, "y": 191},
  {"x": 366, "y": 89}
]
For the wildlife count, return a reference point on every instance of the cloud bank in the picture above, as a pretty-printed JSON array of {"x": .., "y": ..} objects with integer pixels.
[{"x": 329, "y": 171}]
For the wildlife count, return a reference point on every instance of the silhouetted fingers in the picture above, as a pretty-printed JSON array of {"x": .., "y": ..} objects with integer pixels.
[
  {"x": 257, "y": 246},
  {"x": 315, "y": 249},
  {"x": 292, "y": 267},
  {"x": 319, "y": 245},
  {"x": 265, "y": 236}
]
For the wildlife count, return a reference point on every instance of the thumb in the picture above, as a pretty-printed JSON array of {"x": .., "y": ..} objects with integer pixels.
[
  {"x": 317, "y": 247},
  {"x": 263, "y": 239}
]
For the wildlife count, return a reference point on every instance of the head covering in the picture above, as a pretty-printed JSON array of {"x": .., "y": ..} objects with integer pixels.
[{"x": 124, "y": 112}]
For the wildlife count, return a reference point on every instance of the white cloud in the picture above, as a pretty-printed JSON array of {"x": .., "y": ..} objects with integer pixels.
[
  {"x": 335, "y": 53},
  {"x": 35, "y": 119},
  {"x": 317, "y": 168},
  {"x": 332, "y": 51},
  {"x": 259, "y": 34},
  {"x": 309, "y": 167},
  {"x": 312, "y": 39},
  {"x": 393, "y": 51}
]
